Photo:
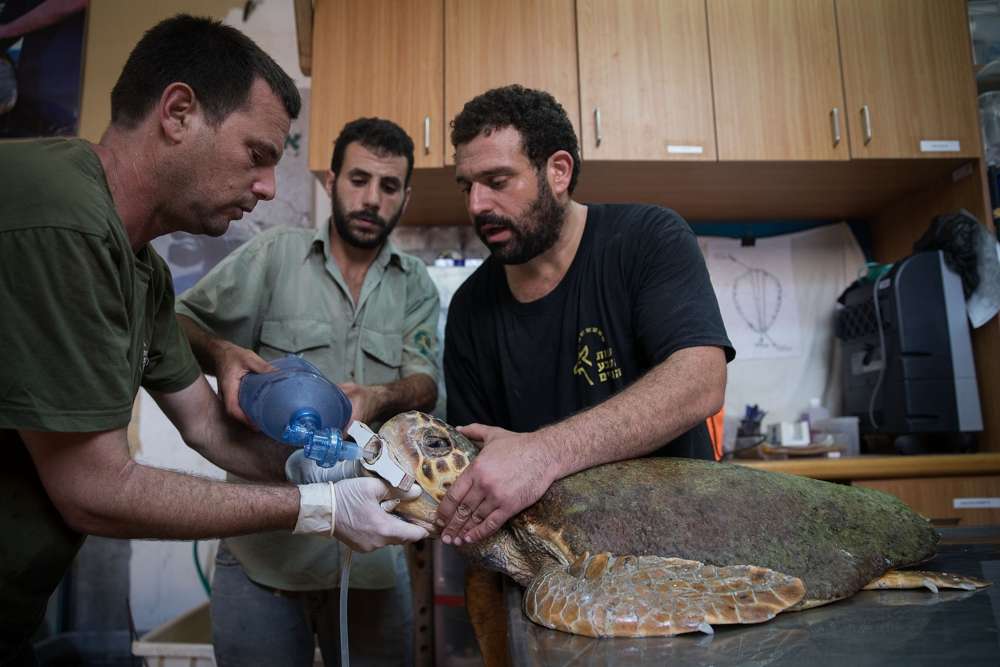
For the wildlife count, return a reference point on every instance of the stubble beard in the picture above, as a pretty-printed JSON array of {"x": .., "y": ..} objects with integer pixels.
[{"x": 342, "y": 223}]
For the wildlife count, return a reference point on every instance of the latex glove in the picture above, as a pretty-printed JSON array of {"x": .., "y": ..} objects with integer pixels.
[
  {"x": 356, "y": 512},
  {"x": 300, "y": 470}
]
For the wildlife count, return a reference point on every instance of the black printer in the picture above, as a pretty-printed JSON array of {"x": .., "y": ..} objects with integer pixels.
[{"x": 907, "y": 364}]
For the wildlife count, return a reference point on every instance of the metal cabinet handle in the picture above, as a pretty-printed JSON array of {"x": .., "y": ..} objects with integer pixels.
[
  {"x": 866, "y": 124},
  {"x": 597, "y": 125},
  {"x": 427, "y": 135},
  {"x": 835, "y": 121}
]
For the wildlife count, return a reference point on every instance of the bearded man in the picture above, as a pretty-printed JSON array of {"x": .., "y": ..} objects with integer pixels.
[
  {"x": 591, "y": 334},
  {"x": 365, "y": 314}
]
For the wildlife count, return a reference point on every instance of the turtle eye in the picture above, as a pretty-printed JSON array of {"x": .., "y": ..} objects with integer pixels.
[{"x": 436, "y": 446}]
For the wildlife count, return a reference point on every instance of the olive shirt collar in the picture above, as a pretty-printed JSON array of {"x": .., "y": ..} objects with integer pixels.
[{"x": 387, "y": 254}]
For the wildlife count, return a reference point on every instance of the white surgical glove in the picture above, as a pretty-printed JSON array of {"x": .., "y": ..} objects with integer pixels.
[
  {"x": 356, "y": 512},
  {"x": 300, "y": 470}
]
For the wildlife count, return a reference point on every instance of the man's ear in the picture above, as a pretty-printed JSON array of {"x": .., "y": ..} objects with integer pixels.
[
  {"x": 559, "y": 170},
  {"x": 328, "y": 182},
  {"x": 177, "y": 110},
  {"x": 406, "y": 201}
]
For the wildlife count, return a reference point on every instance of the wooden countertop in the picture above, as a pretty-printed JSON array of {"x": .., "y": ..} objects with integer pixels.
[{"x": 884, "y": 467}]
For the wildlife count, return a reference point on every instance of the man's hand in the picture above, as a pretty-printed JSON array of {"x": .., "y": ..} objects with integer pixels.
[
  {"x": 365, "y": 400},
  {"x": 232, "y": 362},
  {"x": 512, "y": 471},
  {"x": 359, "y": 510}
]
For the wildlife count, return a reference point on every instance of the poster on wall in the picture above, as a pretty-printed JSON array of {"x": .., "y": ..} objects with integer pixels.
[
  {"x": 41, "y": 65},
  {"x": 190, "y": 257},
  {"x": 756, "y": 295}
]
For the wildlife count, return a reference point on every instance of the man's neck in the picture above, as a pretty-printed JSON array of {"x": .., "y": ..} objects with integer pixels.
[
  {"x": 352, "y": 261},
  {"x": 536, "y": 278},
  {"x": 128, "y": 170}
]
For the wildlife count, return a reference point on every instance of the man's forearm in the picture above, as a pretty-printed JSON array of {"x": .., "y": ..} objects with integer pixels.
[
  {"x": 206, "y": 346},
  {"x": 245, "y": 453},
  {"x": 42, "y": 16},
  {"x": 414, "y": 392},
  {"x": 98, "y": 488},
  {"x": 164, "y": 504},
  {"x": 201, "y": 419},
  {"x": 669, "y": 400}
]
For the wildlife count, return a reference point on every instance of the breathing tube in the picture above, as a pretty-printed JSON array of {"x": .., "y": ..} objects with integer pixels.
[{"x": 298, "y": 406}]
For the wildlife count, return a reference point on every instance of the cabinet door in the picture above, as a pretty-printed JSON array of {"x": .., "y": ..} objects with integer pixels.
[
  {"x": 378, "y": 58},
  {"x": 645, "y": 80},
  {"x": 491, "y": 44},
  {"x": 776, "y": 74},
  {"x": 908, "y": 78}
]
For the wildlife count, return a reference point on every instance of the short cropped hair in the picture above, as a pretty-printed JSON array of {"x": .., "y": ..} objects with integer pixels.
[
  {"x": 219, "y": 62},
  {"x": 544, "y": 126},
  {"x": 378, "y": 135}
]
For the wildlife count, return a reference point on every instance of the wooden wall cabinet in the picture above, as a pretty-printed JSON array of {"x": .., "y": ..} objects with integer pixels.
[
  {"x": 491, "y": 44},
  {"x": 378, "y": 58},
  {"x": 776, "y": 73},
  {"x": 908, "y": 78},
  {"x": 946, "y": 501},
  {"x": 645, "y": 80}
]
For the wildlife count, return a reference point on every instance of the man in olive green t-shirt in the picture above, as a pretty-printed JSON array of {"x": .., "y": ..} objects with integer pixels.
[
  {"x": 88, "y": 318},
  {"x": 365, "y": 314}
]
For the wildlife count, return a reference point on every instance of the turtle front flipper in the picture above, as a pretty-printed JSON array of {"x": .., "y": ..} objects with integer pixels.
[
  {"x": 902, "y": 579},
  {"x": 648, "y": 596}
]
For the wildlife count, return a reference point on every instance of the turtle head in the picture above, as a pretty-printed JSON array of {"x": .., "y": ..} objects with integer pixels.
[{"x": 434, "y": 453}]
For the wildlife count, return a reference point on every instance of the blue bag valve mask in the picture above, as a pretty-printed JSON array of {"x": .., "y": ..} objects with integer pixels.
[{"x": 296, "y": 405}]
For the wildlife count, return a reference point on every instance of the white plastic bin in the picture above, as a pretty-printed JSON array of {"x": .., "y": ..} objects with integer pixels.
[
  {"x": 185, "y": 641},
  {"x": 843, "y": 429},
  {"x": 182, "y": 641}
]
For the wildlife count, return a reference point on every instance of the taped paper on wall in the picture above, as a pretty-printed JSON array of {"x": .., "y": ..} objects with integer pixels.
[{"x": 756, "y": 292}]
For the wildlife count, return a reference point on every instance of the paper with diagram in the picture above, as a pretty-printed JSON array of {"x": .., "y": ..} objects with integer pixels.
[{"x": 756, "y": 295}]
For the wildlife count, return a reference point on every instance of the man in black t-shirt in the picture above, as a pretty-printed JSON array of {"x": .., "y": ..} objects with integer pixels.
[{"x": 592, "y": 333}]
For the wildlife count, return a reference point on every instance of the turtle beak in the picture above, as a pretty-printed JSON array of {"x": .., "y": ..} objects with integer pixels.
[{"x": 420, "y": 512}]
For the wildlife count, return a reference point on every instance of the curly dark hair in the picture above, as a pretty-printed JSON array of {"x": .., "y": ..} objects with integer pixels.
[
  {"x": 377, "y": 135},
  {"x": 544, "y": 126}
]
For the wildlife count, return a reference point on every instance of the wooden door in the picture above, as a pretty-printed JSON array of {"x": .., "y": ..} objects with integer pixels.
[
  {"x": 645, "y": 80},
  {"x": 378, "y": 58},
  {"x": 491, "y": 44},
  {"x": 908, "y": 78},
  {"x": 776, "y": 75}
]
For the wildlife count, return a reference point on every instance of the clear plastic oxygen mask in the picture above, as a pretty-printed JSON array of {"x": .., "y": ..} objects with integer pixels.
[{"x": 296, "y": 405}]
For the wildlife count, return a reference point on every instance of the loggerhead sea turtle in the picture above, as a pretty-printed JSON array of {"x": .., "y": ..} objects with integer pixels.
[{"x": 663, "y": 546}]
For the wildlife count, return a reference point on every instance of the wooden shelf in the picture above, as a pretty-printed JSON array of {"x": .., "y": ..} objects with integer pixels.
[
  {"x": 723, "y": 190},
  {"x": 885, "y": 467}
]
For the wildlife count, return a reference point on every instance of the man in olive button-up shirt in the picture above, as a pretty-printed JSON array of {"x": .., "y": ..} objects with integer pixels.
[{"x": 365, "y": 314}]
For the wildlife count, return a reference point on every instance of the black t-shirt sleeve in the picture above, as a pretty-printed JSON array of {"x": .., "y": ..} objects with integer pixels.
[
  {"x": 675, "y": 305},
  {"x": 463, "y": 375}
]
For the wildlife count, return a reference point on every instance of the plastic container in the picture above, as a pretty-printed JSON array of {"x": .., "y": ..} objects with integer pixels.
[
  {"x": 984, "y": 27},
  {"x": 989, "y": 117},
  {"x": 185, "y": 641},
  {"x": 816, "y": 412},
  {"x": 844, "y": 430},
  {"x": 296, "y": 405}
]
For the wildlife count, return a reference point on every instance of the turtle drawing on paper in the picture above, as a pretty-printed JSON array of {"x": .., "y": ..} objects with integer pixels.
[{"x": 661, "y": 546}]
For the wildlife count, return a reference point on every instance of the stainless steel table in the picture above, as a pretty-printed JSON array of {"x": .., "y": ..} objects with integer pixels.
[{"x": 883, "y": 628}]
